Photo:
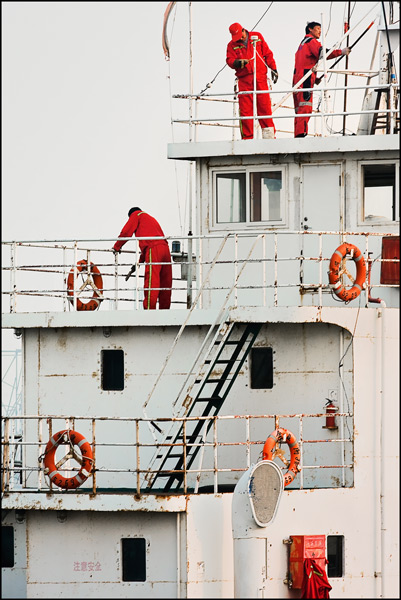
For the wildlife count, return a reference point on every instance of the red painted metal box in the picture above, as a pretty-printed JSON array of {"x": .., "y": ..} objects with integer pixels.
[
  {"x": 305, "y": 546},
  {"x": 390, "y": 271}
]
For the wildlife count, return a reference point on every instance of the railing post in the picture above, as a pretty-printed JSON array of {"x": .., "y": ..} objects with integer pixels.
[
  {"x": 320, "y": 269},
  {"x": 215, "y": 464},
  {"x": 75, "y": 274},
  {"x": 13, "y": 277},
  {"x": 94, "y": 456},
  {"x": 138, "y": 479},
  {"x": 6, "y": 454},
  {"x": 254, "y": 87},
  {"x": 275, "y": 269},
  {"x": 236, "y": 267},
  {"x": 65, "y": 300},
  {"x": 325, "y": 102},
  {"x": 115, "y": 303},
  {"x": 264, "y": 266}
]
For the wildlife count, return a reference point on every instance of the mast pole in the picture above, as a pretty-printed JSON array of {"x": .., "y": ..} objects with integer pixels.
[
  {"x": 189, "y": 278},
  {"x": 346, "y": 67}
]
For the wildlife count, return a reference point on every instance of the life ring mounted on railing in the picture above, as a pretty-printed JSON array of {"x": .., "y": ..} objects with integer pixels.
[
  {"x": 93, "y": 280},
  {"x": 283, "y": 435},
  {"x": 338, "y": 268},
  {"x": 68, "y": 436}
]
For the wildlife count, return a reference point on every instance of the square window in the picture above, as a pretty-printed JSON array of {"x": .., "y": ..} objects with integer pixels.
[
  {"x": 261, "y": 368},
  {"x": 133, "y": 559},
  {"x": 335, "y": 553},
  {"x": 266, "y": 196},
  {"x": 231, "y": 197},
  {"x": 379, "y": 192},
  {"x": 112, "y": 370},
  {"x": 7, "y": 546}
]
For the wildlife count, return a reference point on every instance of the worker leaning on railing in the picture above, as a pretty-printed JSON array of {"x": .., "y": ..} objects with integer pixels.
[
  {"x": 153, "y": 252},
  {"x": 306, "y": 57}
]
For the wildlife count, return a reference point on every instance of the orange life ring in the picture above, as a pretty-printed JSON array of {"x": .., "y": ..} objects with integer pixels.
[
  {"x": 97, "y": 285},
  {"x": 283, "y": 435},
  {"x": 74, "y": 437},
  {"x": 334, "y": 273}
]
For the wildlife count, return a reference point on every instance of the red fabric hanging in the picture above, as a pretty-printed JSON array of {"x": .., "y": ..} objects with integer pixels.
[{"x": 314, "y": 584}]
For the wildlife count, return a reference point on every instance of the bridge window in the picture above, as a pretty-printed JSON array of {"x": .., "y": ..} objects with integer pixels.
[
  {"x": 266, "y": 196},
  {"x": 335, "y": 555},
  {"x": 112, "y": 364},
  {"x": 380, "y": 198},
  {"x": 7, "y": 546},
  {"x": 261, "y": 368},
  {"x": 133, "y": 559},
  {"x": 230, "y": 193},
  {"x": 248, "y": 197}
]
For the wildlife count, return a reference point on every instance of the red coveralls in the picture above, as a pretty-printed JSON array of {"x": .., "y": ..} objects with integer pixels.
[
  {"x": 306, "y": 57},
  {"x": 152, "y": 251},
  {"x": 315, "y": 583},
  {"x": 264, "y": 56}
]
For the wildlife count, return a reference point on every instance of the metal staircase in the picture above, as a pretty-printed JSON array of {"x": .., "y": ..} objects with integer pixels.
[{"x": 205, "y": 397}]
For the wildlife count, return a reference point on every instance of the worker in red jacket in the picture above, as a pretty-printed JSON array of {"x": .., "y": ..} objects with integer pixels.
[
  {"x": 308, "y": 54},
  {"x": 240, "y": 56},
  {"x": 153, "y": 252}
]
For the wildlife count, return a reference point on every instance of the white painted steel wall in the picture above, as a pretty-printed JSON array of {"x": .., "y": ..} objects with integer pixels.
[{"x": 312, "y": 189}]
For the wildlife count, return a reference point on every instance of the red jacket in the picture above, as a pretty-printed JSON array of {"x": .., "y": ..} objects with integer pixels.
[
  {"x": 244, "y": 49},
  {"x": 142, "y": 225},
  {"x": 308, "y": 55}
]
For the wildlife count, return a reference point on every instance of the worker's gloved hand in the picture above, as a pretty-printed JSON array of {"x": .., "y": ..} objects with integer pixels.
[
  {"x": 115, "y": 252},
  {"x": 346, "y": 51},
  {"x": 274, "y": 75},
  {"x": 131, "y": 272},
  {"x": 240, "y": 63}
]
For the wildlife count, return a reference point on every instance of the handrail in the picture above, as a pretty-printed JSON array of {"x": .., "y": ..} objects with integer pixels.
[
  {"x": 34, "y": 447},
  {"x": 48, "y": 291}
]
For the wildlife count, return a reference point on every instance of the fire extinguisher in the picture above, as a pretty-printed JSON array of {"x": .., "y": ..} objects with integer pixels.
[{"x": 331, "y": 409}]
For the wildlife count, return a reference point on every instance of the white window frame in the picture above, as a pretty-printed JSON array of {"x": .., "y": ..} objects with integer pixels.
[
  {"x": 361, "y": 208},
  {"x": 248, "y": 224}
]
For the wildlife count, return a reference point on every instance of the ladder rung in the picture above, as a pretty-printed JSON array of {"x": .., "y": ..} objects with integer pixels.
[
  {"x": 220, "y": 361},
  {"x": 213, "y": 400},
  {"x": 173, "y": 456}
]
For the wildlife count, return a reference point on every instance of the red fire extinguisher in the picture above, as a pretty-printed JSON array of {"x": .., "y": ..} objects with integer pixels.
[{"x": 331, "y": 409}]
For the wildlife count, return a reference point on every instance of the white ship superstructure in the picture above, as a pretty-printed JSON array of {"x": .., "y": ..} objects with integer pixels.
[{"x": 177, "y": 404}]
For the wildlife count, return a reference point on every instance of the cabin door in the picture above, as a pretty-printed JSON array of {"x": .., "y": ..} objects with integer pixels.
[{"x": 321, "y": 210}]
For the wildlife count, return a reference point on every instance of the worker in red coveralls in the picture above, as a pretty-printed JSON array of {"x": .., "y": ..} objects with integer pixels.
[
  {"x": 306, "y": 57},
  {"x": 240, "y": 56},
  {"x": 153, "y": 252}
]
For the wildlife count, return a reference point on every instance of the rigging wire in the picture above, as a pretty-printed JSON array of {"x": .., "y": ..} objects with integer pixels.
[
  {"x": 341, "y": 364},
  {"x": 172, "y": 130}
]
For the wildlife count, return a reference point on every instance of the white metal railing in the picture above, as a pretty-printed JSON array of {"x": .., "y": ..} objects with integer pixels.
[
  {"x": 37, "y": 271},
  {"x": 219, "y": 461},
  {"x": 322, "y": 113}
]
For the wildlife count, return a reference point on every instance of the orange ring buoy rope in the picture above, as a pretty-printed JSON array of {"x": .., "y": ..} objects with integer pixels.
[
  {"x": 335, "y": 272},
  {"x": 50, "y": 466},
  {"x": 94, "y": 280},
  {"x": 283, "y": 435}
]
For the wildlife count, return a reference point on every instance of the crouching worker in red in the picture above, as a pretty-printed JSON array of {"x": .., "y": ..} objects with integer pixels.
[
  {"x": 153, "y": 252},
  {"x": 240, "y": 56},
  {"x": 306, "y": 57}
]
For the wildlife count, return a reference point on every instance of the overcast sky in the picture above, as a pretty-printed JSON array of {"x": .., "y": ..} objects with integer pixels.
[{"x": 86, "y": 109}]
